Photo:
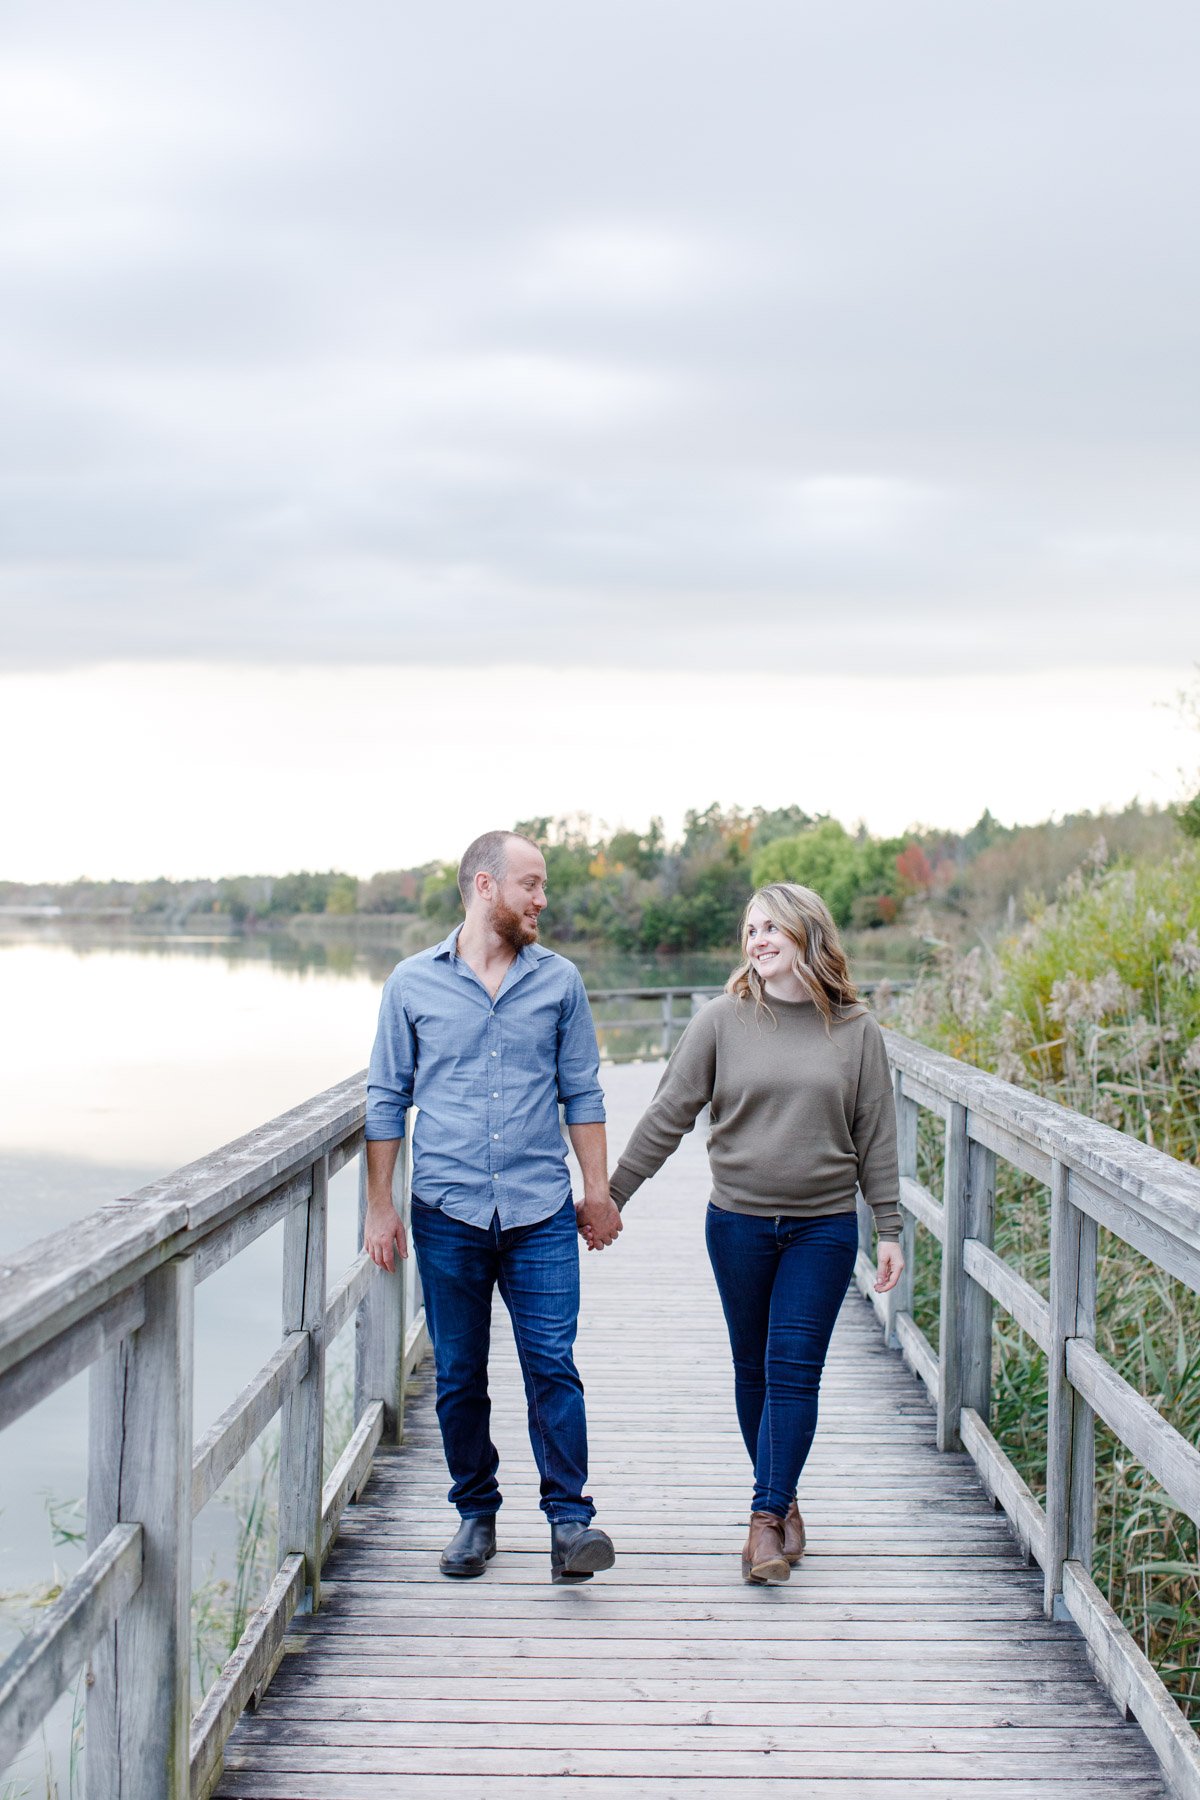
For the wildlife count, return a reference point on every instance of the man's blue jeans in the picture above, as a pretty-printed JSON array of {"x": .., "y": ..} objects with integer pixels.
[
  {"x": 781, "y": 1283},
  {"x": 537, "y": 1269}
]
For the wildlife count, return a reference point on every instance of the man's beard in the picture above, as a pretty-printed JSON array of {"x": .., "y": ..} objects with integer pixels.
[{"x": 513, "y": 927}]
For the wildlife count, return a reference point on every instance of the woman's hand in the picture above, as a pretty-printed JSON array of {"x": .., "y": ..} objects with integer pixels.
[{"x": 890, "y": 1268}]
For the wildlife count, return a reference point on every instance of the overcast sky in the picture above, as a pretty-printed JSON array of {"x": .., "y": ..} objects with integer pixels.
[{"x": 829, "y": 343}]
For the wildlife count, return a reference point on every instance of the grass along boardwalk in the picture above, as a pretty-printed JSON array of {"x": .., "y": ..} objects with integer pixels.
[{"x": 909, "y": 1652}]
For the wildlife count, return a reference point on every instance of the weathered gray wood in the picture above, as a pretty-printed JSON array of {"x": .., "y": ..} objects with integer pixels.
[
  {"x": 139, "y": 1472},
  {"x": 1162, "y": 1190},
  {"x": 900, "y": 1299},
  {"x": 302, "y": 1426},
  {"x": 1005, "y": 1485},
  {"x": 226, "y": 1442},
  {"x": 1123, "y": 1218},
  {"x": 918, "y": 1353},
  {"x": 379, "y": 1346},
  {"x": 975, "y": 1300},
  {"x": 46, "y": 1369},
  {"x": 917, "y": 1200},
  {"x": 1010, "y": 1145},
  {"x": 1081, "y": 1520},
  {"x": 244, "y": 1676},
  {"x": 416, "y": 1344},
  {"x": 954, "y": 1217},
  {"x": 347, "y": 1296},
  {"x": 1066, "y": 1224},
  {"x": 46, "y": 1659},
  {"x": 1018, "y": 1298},
  {"x": 239, "y": 1232},
  {"x": 350, "y": 1471},
  {"x": 1173, "y": 1462},
  {"x": 52, "y": 1284},
  {"x": 1132, "y": 1681},
  {"x": 260, "y": 1784}
]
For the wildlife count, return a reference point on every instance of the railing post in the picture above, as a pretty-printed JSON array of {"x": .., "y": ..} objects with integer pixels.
[
  {"x": 302, "y": 1422},
  {"x": 1070, "y": 1435},
  {"x": 976, "y": 1335},
  {"x": 668, "y": 1021},
  {"x": 954, "y": 1216},
  {"x": 382, "y": 1322},
  {"x": 900, "y": 1300},
  {"x": 140, "y": 1471}
]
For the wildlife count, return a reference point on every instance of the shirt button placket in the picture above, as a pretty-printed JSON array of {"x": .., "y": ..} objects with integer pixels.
[{"x": 492, "y": 1108}]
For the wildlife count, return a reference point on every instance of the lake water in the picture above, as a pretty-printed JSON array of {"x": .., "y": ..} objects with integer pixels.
[{"x": 121, "y": 1059}]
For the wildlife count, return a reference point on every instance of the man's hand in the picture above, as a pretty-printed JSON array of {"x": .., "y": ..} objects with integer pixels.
[
  {"x": 598, "y": 1220},
  {"x": 890, "y": 1268},
  {"x": 384, "y": 1238}
]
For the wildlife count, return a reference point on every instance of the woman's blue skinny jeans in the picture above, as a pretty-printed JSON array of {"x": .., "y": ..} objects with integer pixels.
[{"x": 781, "y": 1282}]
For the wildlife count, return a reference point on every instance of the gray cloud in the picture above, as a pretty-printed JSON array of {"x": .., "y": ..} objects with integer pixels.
[{"x": 850, "y": 337}]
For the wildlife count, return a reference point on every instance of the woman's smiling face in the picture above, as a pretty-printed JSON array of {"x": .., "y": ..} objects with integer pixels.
[{"x": 768, "y": 946}]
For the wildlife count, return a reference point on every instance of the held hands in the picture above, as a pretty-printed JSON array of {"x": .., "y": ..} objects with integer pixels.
[
  {"x": 384, "y": 1238},
  {"x": 598, "y": 1220},
  {"x": 890, "y": 1268}
]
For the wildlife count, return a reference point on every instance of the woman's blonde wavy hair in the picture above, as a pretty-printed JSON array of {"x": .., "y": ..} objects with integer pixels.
[{"x": 820, "y": 961}]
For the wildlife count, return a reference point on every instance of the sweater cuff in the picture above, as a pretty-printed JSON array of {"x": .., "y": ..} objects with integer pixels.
[
  {"x": 624, "y": 1183},
  {"x": 889, "y": 1221}
]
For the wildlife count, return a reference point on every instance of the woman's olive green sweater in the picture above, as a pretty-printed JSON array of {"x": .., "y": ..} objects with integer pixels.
[{"x": 800, "y": 1114}]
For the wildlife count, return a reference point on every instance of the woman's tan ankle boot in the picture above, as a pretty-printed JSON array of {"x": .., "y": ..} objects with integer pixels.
[
  {"x": 763, "y": 1560},
  {"x": 793, "y": 1535}
]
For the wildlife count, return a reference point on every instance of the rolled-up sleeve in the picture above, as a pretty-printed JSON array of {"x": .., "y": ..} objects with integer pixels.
[
  {"x": 578, "y": 1067},
  {"x": 393, "y": 1062}
]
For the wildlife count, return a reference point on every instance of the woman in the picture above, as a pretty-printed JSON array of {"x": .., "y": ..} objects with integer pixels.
[{"x": 795, "y": 1073}]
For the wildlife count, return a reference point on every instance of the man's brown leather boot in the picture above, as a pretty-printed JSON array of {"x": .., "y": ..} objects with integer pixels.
[
  {"x": 763, "y": 1560},
  {"x": 793, "y": 1535}
]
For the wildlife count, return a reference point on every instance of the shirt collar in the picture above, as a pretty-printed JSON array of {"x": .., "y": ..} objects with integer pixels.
[{"x": 528, "y": 957}]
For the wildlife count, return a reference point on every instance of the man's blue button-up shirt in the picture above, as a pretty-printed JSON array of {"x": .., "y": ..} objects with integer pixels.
[{"x": 487, "y": 1076}]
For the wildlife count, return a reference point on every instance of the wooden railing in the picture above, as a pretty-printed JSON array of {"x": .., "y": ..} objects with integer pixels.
[
  {"x": 674, "y": 1006},
  {"x": 116, "y": 1294},
  {"x": 1096, "y": 1176}
]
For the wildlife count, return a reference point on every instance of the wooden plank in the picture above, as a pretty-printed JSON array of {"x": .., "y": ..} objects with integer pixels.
[
  {"x": 380, "y": 1367},
  {"x": 917, "y": 1200},
  {"x": 1173, "y": 1462},
  {"x": 1019, "y": 1299},
  {"x": 302, "y": 1426},
  {"x": 1009, "y": 1144},
  {"x": 347, "y": 1296},
  {"x": 350, "y": 1471},
  {"x": 227, "y": 1440},
  {"x": 975, "y": 1330},
  {"x": 52, "y": 1284},
  {"x": 139, "y": 1473},
  {"x": 954, "y": 1219},
  {"x": 918, "y": 1353},
  {"x": 245, "y": 1228},
  {"x": 47, "y": 1368},
  {"x": 1132, "y": 1681},
  {"x": 913, "y": 1765},
  {"x": 257, "y": 1784},
  {"x": 57, "y": 1646},
  {"x": 244, "y": 1676},
  {"x": 1160, "y": 1189},
  {"x": 1005, "y": 1485},
  {"x": 900, "y": 1299}
]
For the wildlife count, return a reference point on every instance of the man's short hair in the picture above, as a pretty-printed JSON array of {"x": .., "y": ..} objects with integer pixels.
[{"x": 488, "y": 853}]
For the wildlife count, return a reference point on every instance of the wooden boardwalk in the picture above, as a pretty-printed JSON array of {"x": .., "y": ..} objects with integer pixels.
[{"x": 908, "y": 1654}]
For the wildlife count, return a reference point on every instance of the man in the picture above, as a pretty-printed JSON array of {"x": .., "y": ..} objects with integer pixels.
[{"x": 486, "y": 1034}]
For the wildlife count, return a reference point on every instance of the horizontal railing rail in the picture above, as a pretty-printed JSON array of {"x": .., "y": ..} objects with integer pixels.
[
  {"x": 1097, "y": 1177},
  {"x": 669, "y": 1024},
  {"x": 115, "y": 1297}
]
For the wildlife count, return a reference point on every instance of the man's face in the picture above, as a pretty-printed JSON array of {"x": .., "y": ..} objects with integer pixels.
[{"x": 519, "y": 896}]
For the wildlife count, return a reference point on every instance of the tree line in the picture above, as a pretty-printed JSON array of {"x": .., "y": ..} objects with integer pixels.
[{"x": 636, "y": 891}]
